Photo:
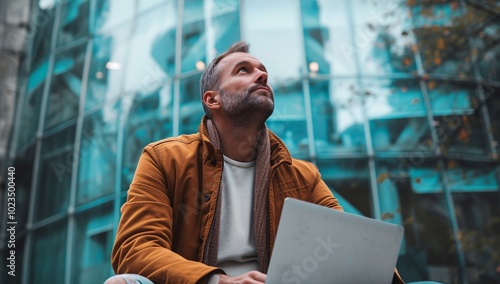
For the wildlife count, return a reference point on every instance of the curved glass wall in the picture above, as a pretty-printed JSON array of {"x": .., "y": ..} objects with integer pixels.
[{"x": 397, "y": 103}]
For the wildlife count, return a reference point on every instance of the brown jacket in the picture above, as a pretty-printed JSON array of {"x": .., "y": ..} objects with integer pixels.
[{"x": 172, "y": 199}]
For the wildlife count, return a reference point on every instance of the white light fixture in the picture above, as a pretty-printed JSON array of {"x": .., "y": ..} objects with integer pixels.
[
  {"x": 314, "y": 66},
  {"x": 200, "y": 65},
  {"x": 111, "y": 65}
]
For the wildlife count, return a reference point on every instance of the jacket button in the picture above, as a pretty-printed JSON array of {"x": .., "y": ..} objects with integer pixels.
[
  {"x": 206, "y": 198},
  {"x": 213, "y": 162}
]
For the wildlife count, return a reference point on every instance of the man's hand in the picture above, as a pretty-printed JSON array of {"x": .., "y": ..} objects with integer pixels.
[{"x": 252, "y": 277}]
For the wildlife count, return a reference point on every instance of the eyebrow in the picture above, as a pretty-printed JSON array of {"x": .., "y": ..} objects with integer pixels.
[{"x": 247, "y": 62}]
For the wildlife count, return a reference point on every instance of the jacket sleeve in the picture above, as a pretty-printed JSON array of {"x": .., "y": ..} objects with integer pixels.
[{"x": 144, "y": 237}]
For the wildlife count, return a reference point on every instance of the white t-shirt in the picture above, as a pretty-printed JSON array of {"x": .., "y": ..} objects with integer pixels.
[{"x": 237, "y": 252}]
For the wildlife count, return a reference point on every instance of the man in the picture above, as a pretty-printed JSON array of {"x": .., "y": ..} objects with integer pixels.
[{"x": 205, "y": 207}]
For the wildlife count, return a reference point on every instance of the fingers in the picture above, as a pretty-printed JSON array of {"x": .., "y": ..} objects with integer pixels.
[{"x": 252, "y": 277}]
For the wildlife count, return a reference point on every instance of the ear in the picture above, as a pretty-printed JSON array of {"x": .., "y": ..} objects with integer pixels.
[{"x": 212, "y": 99}]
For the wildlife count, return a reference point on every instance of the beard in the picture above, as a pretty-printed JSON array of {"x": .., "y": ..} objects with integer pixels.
[{"x": 245, "y": 109}]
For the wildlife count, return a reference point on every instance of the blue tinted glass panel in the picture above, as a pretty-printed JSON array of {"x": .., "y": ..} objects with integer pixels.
[
  {"x": 149, "y": 120},
  {"x": 349, "y": 180},
  {"x": 109, "y": 13},
  {"x": 493, "y": 103},
  {"x": 43, "y": 20},
  {"x": 48, "y": 254},
  {"x": 337, "y": 117},
  {"x": 397, "y": 117},
  {"x": 479, "y": 216},
  {"x": 92, "y": 245},
  {"x": 64, "y": 95},
  {"x": 465, "y": 176},
  {"x": 74, "y": 21},
  {"x": 30, "y": 117},
  {"x": 289, "y": 118},
  {"x": 151, "y": 58},
  {"x": 411, "y": 194},
  {"x": 442, "y": 40},
  {"x": 271, "y": 34},
  {"x": 194, "y": 37},
  {"x": 223, "y": 28},
  {"x": 56, "y": 169},
  {"x": 23, "y": 178},
  {"x": 383, "y": 36},
  {"x": 328, "y": 39},
  {"x": 107, "y": 66},
  {"x": 191, "y": 109},
  {"x": 96, "y": 172}
]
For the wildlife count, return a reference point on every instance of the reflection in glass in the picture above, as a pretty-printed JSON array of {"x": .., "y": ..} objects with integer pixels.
[
  {"x": 30, "y": 117},
  {"x": 337, "y": 117},
  {"x": 193, "y": 35},
  {"x": 282, "y": 29},
  {"x": 149, "y": 120},
  {"x": 396, "y": 112},
  {"x": 349, "y": 180},
  {"x": 493, "y": 104},
  {"x": 43, "y": 20},
  {"x": 64, "y": 94},
  {"x": 23, "y": 179},
  {"x": 327, "y": 37},
  {"x": 411, "y": 195},
  {"x": 109, "y": 13},
  {"x": 106, "y": 66},
  {"x": 383, "y": 36},
  {"x": 56, "y": 169},
  {"x": 223, "y": 29},
  {"x": 151, "y": 58},
  {"x": 97, "y": 153},
  {"x": 49, "y": 243},
  {"x": 479, "y": 222},
  {"x": 289, "y": 118},
  {"x": 74, "y": 21},
  {"x": 191, "y": 109},
  {"x": 92, "y": 245}
]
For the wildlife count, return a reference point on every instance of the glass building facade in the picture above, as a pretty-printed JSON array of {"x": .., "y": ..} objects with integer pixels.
[{"x": 397, "y": 103}]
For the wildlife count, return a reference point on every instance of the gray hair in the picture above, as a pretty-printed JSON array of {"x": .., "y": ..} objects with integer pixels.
[{"x": 210, "y": 77}]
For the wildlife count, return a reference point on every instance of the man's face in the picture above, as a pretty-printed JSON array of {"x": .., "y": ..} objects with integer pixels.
[{"x": 244, "y": 88}]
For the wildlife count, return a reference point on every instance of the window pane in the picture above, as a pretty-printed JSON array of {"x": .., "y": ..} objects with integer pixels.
[
  {"x": 383, "y": 38},
  {"x": 56, "y": 169},
  {"x": 64, "y": 95},
  {"x": 327, "y": 37},
  {"x": 92, "y": 245},
  {"x": 396, "y": 112},
  {"x": 349, "y": 180},
  {"x": 48, "y": 241},
  {"x": 289, "y": 119},
  {"x": 109, "y": 13},
  {"x": 479, "y": 222},
  {"x": 30, "y": 117},
  {"x": 337, "y": 117},
  {"x": 271, "y": 34},
  {"x": 149, "y": 120},
  {"x": 191, "y": 109},
  {"x": 223, "y": 27},
  {"x": 411, "y": 194},
  {"x": 23, "y": 180},
  {"x": 43, "y": 17},
  {"x": 193, "y": 35},
  {"x": 151, "y": 58},
  {"x": 97, "y": 153},
  {"x": 74, "y": 21},
  {"x": 107, "y": 66},
  {"x": 493, "y": 104},
  {"x": 442, "y": 39}
]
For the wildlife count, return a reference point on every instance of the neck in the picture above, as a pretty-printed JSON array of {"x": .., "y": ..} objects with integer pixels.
[{"x": 239, "y": 143}]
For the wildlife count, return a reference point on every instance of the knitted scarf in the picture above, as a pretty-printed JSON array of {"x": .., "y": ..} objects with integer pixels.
[{"x": 260, "y": 210}]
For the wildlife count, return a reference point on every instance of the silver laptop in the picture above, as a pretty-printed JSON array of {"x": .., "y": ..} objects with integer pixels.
[{"x": 315, "y": 244}]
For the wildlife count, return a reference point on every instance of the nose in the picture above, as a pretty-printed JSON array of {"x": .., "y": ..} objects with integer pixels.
[{"x": 261, "y": 77}]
